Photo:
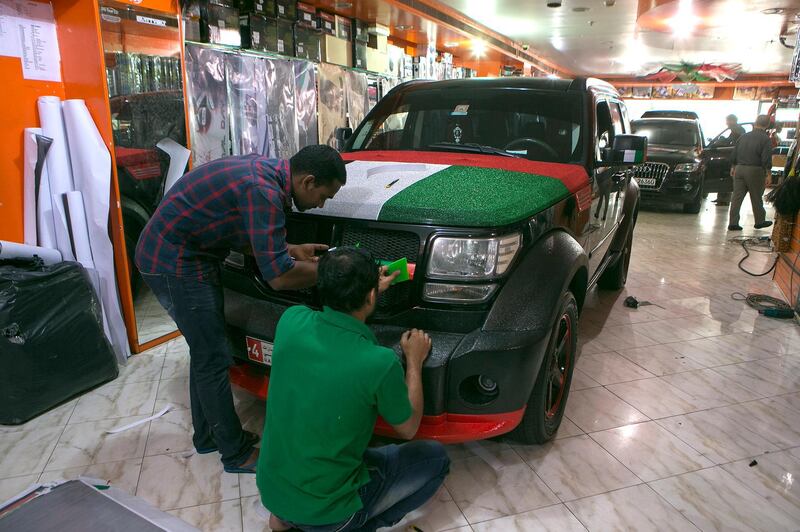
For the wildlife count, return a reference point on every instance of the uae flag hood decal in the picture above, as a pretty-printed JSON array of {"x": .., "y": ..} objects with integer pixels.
[{"x": 449, "y": 189}]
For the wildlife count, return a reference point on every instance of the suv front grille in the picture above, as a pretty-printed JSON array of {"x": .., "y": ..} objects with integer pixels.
[
  {"x": 389, "y": 246},
  {"x": 651, "y": 175}
]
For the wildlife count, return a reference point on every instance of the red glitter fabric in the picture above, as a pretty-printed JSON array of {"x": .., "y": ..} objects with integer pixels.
[{"x": 573, "y": 176}]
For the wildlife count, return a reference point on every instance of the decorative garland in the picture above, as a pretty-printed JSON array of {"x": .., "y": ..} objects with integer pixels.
[{"x": 688, "y": 72}]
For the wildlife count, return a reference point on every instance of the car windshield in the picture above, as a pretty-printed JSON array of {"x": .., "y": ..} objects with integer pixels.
[
  {"x": 667, "y": 132},
  {"x": 535, "y": 124}
]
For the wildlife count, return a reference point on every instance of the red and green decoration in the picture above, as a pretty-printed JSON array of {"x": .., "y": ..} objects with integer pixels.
[{"x": 695, "y": 73}]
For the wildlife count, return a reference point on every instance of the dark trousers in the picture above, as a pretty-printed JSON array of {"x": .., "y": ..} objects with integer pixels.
[
  {"x": 197, "y": 308},
  {"x": 748, "y": 180},
  {"x": 402, "y": 478}
]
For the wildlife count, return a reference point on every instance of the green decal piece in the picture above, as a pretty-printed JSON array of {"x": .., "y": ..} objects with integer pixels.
[
  {"x": 397, "y": 266},
  {"x": 473, "y": 197}
]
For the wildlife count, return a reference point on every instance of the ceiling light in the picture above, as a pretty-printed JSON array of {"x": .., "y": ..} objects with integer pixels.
[
  {"x": 343, "y": 5},
  {"x": 580, "y": 9},
  {"x": 403, "y": 27},
  {"x": 478, "y": 47},
  {"x": 451, "y": 45},
  {"x": 774, "y": 11},
  {"x": 610, "y": 3},
  {"x": 554, "y": 3},
  {"x": 684, "y": 21}
]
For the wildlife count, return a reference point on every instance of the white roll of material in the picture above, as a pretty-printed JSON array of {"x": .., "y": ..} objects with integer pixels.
[
  {"x": 78, "y": 228},
  {"x": 178, "y": 158},
  {"x": 92, "y": 167},
  {"x": 31, "y": 154},
  {"x": 13, "y": 250},
  {"x": 59, "y": 169}
]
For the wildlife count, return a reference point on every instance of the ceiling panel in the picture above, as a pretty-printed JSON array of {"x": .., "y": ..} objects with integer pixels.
[{"x": 587, "y": 37}]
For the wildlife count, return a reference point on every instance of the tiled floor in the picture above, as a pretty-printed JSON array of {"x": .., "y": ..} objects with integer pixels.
[{"x": 672, "y": 406}]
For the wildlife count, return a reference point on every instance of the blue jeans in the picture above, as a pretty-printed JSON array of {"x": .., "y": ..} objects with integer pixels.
[
  {"x": 196, "y": 306},
  {"x": 402, "y": 478}
]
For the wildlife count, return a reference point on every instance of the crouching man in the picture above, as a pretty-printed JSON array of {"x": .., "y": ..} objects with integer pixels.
[{"x": 329, "y": 381}]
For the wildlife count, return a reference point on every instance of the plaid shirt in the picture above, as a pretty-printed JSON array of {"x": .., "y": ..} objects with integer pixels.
[{"x": 231, "y": 204}]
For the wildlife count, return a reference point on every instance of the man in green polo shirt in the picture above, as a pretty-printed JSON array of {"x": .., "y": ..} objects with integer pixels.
[{"x": 329, "y": 381}]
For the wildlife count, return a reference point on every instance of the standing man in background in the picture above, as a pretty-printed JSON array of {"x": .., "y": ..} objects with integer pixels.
[
  {"x": 751, "y": 166},
  {"x": 231, "y": 204},
  {"x": 732, "y": 121}
]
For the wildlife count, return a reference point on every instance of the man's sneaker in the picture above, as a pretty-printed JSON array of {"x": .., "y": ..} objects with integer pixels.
[
  {"x": 762, "y": 225},
  {"x": 734, "y": 228}
]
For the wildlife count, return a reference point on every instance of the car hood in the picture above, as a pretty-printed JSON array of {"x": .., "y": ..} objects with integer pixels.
[
  {"x": 449, "y": 189},
  {"x": 671, "y": 154}
]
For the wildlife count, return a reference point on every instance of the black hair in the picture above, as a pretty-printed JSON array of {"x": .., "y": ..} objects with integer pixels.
[
  {"x": 346, "y": 276},
  {"x": 732, "y": 117},
  {"x": 762, "y": 121},
  {"x": 321, "y": 161}
]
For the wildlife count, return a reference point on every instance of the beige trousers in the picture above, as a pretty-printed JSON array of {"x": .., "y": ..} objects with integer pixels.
[{"x": 748, "y": 180}]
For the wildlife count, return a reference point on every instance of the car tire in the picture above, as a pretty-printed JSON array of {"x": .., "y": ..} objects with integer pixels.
[
  {"x": 545, "y": 408},
  {"x": 615, "y": 276},
  {"x": 696, "y": 204}
]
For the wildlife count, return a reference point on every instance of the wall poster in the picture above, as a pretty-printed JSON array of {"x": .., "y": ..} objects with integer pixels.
[
  {"x": 247, "y": 102},
  {"x": 357, "y": 101},
  {"x": 208, "y": 104},
  {"x": 281, "y": 123},
  {"x": 305, "y": 103},
  {"x": 332, "y": 112}
]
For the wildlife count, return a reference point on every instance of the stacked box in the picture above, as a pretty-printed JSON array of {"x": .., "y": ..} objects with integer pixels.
[
  {"x": 360, "y": 31},
  {"x": 306, "y": 14},
  {"x": 360, "y": 55},
  {"x": 307, "y": 42},
  {"x": 256, "y": 33},
  {"x": 327, "y": 23},
  {"x": 265, "y": 8},
  {"x": 344, "y": 28},
  {"x": 285, "y": 42},
  {"x": 336, "y": 51},
  {"x": 379, "y": 42},
  {"x": 220, "y": 25},
  {"x": 191, "y": 21},
  {"x": 286, "y": 9}
]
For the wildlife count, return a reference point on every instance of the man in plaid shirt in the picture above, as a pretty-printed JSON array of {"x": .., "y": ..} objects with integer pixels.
[{"x": 232, "y": 204}]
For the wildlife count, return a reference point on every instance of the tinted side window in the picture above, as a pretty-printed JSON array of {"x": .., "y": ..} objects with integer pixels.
[
  {"x": 616, "y": 118},
  {"x": 605, "y": 127}
]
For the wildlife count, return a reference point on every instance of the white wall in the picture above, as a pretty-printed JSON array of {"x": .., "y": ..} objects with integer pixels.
[{"x": 712, "y": 113}]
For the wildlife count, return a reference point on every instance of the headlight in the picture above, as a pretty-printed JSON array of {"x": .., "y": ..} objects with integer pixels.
[
  {"x": 458, "y": 293},
  {"x": 687, "y": 167},
  {"x": 472, "y": 258}
]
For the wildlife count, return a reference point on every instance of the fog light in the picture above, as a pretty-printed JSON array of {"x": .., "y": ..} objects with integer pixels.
[
  {"x": 486, "y": 384},
  {"x": 687, "y": 187}
]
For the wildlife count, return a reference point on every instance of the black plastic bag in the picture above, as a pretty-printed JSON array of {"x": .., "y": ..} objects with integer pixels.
[{"x": 52, "y": 344}]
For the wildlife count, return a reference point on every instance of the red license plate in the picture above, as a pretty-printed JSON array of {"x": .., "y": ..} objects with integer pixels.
[{"x": 259, "y": 351}]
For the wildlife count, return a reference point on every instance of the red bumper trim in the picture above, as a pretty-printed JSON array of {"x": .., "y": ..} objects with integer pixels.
[{"x": 446, "y": 428}]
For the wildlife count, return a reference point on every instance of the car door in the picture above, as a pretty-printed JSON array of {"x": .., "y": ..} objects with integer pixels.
[
  {"x": 608, "y": 184},
  {"x": 717, "y": 158}
]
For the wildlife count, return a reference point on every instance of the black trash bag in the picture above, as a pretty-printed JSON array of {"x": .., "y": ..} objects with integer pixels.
[{"x": 52, "y": 344}]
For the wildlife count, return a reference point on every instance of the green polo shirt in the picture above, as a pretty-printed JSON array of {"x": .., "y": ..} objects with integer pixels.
[{"x": 329, "y": 381}]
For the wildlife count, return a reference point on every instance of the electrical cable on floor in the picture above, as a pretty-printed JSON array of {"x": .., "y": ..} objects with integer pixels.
[{"x": 769, "y": 306}]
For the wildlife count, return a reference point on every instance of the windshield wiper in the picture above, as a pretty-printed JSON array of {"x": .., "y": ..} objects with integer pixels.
[{"x": 471, "y": 147}]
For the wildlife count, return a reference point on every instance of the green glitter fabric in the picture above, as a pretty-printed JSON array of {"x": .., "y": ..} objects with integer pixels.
[{"x": 464, "y": 196}]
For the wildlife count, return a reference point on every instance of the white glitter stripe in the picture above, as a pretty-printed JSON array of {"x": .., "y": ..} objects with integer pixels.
[{"x": 371, "y": 184}]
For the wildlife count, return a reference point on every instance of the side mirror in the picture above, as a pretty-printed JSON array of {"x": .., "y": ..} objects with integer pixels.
[
  {"x": 629, "y": 149},
  {"x": 343, "y": 133}
]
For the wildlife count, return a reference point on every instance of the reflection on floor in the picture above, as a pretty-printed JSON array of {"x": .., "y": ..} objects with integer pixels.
[
  {"x": 152, "y": 321},
  {"x": 672, "y": 406}
]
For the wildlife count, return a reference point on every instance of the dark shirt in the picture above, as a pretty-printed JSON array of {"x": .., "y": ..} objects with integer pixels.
[
  {"x": 753, "y": 149},
  {"x": 231, "y": 204},
  {"x": 736, "y": 132}
]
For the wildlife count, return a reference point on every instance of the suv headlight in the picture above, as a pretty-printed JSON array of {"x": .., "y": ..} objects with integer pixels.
[
  {"x": 472, "y": 258},
  {"x": 687, "y": 167}
]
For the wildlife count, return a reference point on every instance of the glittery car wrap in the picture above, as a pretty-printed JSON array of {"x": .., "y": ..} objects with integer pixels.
[
  {"x": 463, "y": 196},
  {"x": 481, "y": 191}
]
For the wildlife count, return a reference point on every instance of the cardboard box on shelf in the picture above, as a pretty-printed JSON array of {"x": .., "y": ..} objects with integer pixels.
[
  {"x": 256, "y": 32},
  {"x": 286, "y": 9},
  {"x": 359, "y": 55},
  {"x": 344, "y": 28},
  {"x": 377, "y": 61},
  {"x": 285, "y": 41},
  {"x": 307, "y": 42},
  {"x": 191, "y": 18},
  {"x": 306, "y": 14},
  {"x": 264, "y": 8},
  {"x": 221, "y": 25},
  {"x": 379, "y": 42},
  {"x": 327, "y": 22},
  {"x": 360, "y": 31},
  {"x": 336, "y": 51}
]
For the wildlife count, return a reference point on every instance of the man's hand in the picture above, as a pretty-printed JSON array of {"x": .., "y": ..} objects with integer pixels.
[
  {"x": 416, "y": 345},
  {"x": 386, "y": 280},
  {"x": 306, "y": 252},
  {"x": 733, "y": 171}
]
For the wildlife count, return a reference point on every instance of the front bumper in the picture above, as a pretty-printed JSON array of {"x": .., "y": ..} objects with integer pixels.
[
  {"x": 677, "y": 187},
  {"x": 456, "y": 407}
]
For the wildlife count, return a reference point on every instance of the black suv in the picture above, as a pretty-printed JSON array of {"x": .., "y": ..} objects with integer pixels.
[{"x": 511, "y": 198}]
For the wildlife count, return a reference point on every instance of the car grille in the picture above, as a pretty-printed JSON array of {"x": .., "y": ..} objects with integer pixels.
[
  {"x": 651, "y": 175},
  {"x": 389, "y": 246}
]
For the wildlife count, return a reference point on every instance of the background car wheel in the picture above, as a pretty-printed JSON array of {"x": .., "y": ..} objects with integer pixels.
[
  {"x": 696, "y": 205},
  {"x": 615, "y": 277},
  {"x": 549, "y": 396}
]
